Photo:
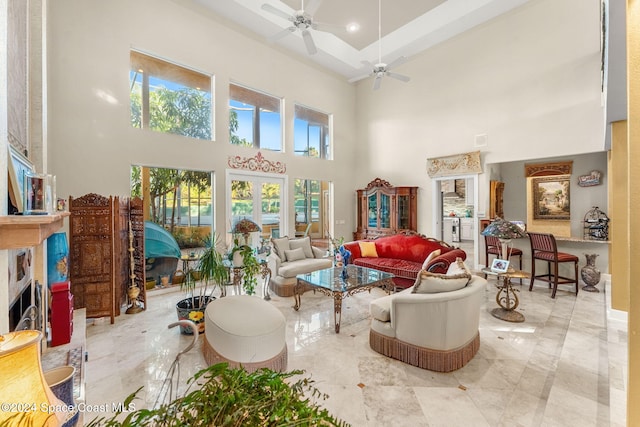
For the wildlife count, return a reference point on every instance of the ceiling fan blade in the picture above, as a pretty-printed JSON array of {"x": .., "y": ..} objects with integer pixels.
[
  {"x": 376, "y": 82},
  {"x": 398, "y": 76},
  {"x": 308, "y": 41},
  {"x": 267, "y": 7},
  {"x": 399, "y": 60},
  {"x": 330, "y": 28},
  {"x": 281, "y": 34},
  {"x": 312, "y": 7},
  {"x": 358, "y": 78}
]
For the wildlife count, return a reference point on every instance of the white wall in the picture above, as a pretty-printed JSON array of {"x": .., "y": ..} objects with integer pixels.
[
  {"x": 529, "y": 80},
  {"x": 91, "y": 142}
]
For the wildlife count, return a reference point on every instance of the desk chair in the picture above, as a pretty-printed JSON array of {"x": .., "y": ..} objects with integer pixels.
[
  {"x": 544, "y": 247},
  {"x": 492, "y": 246}
]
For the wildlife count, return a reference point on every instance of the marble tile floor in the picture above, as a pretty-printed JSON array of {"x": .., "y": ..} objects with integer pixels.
[{"x": 564, "y": 366}]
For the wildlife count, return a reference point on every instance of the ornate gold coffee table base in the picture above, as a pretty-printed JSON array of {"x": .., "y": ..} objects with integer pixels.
[{"x": 332, "y": 283}]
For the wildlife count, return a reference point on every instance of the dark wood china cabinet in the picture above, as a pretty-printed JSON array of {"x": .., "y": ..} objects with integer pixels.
[{"x": 384, "y": 209}]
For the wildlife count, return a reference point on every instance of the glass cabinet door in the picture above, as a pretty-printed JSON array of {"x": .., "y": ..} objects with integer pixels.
[
  {"x": 373, "y": 211},
  {"x": 385, "y": 211},
  {"x": 403, "y": 212}
]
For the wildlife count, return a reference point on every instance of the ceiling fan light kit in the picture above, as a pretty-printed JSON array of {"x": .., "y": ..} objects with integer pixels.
[
  {"x": 301, "y": 20},
  {"x": 381, "y": 69}
]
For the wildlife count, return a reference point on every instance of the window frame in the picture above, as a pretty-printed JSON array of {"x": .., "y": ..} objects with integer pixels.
[
  {"x": 314, "y": 118},
  {"x": 262, "y": 102},
  {"x": 148, "y": 65}
]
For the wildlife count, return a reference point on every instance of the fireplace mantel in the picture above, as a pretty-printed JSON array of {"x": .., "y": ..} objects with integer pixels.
[{"x": 22, "y": 231}]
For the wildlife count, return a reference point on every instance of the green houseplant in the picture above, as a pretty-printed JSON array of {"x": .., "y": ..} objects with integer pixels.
[
  {"x": 243, "y": 255},
  {"x": 213, "y": 272},
  {"x": 250, "y": 267},
  {"x": 223, "y": 396}
]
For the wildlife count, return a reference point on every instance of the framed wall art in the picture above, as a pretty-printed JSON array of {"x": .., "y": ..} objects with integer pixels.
[
  {"x": 551, "y": 198},
  {"x": 19, "y": 165}
]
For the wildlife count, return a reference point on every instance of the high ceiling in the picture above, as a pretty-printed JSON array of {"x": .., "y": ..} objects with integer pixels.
[{"x": 407, "y": 26}]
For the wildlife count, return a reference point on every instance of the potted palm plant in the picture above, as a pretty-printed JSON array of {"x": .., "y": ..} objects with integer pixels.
[{"x": 213, "y": 273}]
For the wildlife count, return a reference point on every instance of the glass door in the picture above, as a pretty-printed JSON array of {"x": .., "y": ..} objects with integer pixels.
[
  {"x": 385, "y": 211},
  {"x": 260, "y": 199},
  {"x": 372, "y": 201}
]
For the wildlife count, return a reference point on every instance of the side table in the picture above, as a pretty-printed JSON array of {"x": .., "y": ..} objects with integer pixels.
[
  {"x": 237, "y": 273},
  {"x": 506, "y": 297}
]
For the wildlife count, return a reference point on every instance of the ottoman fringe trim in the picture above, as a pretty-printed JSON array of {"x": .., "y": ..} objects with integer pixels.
[
  {"x": 277, "y": 363},
  {"x": 425, "y": 358}
]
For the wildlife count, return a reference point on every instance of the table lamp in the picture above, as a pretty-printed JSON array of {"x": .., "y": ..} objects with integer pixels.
[
  {"x": 25, "y": 395},
  {"x": 244, "y": 227},
  {"x": 505, "y": 231}
]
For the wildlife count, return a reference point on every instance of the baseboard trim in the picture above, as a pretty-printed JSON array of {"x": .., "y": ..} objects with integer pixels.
[{"x": 613, "y": 314}]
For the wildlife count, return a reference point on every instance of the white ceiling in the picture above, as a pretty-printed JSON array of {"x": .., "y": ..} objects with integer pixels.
[{"x": 407, "y": 26}]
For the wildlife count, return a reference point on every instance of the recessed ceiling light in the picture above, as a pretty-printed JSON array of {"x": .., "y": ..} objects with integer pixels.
[{"x": 353, "y": 27}]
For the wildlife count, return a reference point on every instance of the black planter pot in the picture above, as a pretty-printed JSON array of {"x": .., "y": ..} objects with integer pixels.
[{"x": 186, "y": 311}]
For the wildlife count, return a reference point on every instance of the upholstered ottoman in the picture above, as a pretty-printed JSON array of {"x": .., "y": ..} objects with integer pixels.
[{"x": 246, "y": 331}]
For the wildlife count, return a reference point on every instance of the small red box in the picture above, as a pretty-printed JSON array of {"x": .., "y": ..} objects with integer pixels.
[{"x": 61, "y": 313}]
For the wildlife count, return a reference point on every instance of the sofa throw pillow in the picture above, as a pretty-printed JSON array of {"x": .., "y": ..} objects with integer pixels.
[
  {"x": 430, "y": 258},
  {"x": 458, "y": 267},
  {"x": 430, "y": 283},
  {"x": 295, "y": 254},
  {"x": 368, "y": 249},
  {"x": 279, "y": 246},
  {"x": 304, "y": 243}
]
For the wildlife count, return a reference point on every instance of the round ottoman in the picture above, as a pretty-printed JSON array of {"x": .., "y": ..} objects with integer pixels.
[{"x": 245, "y": 331}]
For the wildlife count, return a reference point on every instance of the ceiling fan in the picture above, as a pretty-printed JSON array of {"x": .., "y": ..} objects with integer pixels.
[
  {"x": 301, "y": 20},
  {"x": 381, "y": 69}
]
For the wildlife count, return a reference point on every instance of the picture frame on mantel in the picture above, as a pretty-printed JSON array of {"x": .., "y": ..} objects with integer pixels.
[
  {"x": 551, "y": 198},
  {"x": 18, "y": 165}
]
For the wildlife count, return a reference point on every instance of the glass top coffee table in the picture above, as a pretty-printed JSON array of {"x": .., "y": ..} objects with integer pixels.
[{"x": 331, "y": 282}]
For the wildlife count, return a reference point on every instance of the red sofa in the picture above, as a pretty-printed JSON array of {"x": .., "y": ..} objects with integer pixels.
[{"x": 403, "y": 255}]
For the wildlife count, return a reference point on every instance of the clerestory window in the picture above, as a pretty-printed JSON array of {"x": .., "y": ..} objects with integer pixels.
[
  {"x": 311, "y": 133},
  {"x": 169, "y": 98},
  {"x": 254, "y": 118}
]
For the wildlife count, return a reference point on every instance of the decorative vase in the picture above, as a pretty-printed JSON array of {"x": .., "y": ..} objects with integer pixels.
[
  {"x": 60, "y": 381},
  {"x": 57, "y": 256},
  {"x": 187, "y": 311},
  {"x": 590, "y": 274}
]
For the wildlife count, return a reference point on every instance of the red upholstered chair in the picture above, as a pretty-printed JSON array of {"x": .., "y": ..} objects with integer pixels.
[
  {"x": 544, "y": 247},
  {"x": 492, "y": 246}
]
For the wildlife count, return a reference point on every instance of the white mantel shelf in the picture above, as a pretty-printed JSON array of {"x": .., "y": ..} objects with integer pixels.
[{"x": 22, "y": 231}]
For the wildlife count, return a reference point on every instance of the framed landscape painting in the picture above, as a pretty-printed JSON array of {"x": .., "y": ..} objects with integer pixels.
[{"x": 551, "y": 198}]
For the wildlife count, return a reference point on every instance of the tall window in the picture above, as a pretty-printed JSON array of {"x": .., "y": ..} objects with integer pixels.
[
  {"x": 311, "y": 133},
  {"x": 254, "y": 119},
  {"x": 178, "y": 200},
  {"x": 168, "y": 98}
]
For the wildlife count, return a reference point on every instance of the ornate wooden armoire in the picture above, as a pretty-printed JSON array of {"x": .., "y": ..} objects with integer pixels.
[{"x": 384, "y": 209}]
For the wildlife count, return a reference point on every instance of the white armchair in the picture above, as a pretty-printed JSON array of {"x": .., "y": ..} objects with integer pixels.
[
  {"x": 435, "y": 331},
  {"x": 291, "y": 257}
]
